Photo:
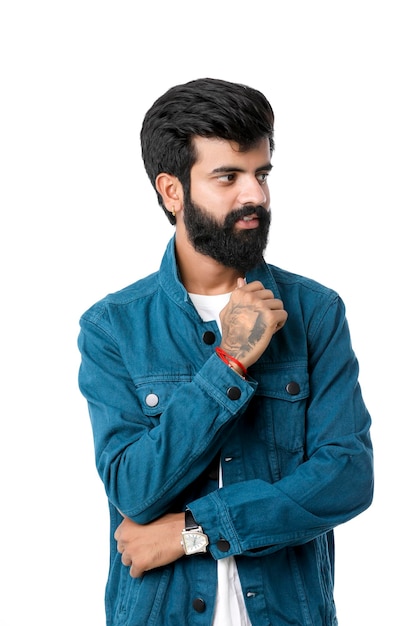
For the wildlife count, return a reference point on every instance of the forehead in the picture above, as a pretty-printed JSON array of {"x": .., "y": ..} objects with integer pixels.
[{"x": 213, "y": 152}]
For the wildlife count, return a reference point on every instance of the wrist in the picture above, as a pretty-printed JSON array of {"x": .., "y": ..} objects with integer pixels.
[
  {"x": 194, "y": 540},
  {"x": 236, "y": 365}
]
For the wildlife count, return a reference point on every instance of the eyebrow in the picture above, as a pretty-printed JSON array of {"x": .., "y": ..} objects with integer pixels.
[{"x": 228, "y": 169}]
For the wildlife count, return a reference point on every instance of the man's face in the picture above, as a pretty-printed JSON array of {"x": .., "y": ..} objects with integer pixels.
[{"x": 227, "y": 215}]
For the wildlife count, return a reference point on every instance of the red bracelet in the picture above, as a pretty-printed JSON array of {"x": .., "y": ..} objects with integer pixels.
[{"x": 228, "y": 359}]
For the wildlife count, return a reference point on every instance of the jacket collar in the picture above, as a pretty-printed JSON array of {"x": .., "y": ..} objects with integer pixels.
[{"x": 170, "y": 280}]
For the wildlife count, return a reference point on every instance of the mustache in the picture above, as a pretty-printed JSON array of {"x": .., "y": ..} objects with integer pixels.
[{"x": 248, "y": 209}]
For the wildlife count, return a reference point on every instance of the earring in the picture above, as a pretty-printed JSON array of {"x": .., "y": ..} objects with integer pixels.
[{"x": 173, "y": 212}]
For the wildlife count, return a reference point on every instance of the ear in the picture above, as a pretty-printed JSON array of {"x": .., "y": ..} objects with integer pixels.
[{"x": 170, "y": 188}]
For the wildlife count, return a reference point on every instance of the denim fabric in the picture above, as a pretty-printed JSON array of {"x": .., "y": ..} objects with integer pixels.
[{"x": 293, "y": 441}]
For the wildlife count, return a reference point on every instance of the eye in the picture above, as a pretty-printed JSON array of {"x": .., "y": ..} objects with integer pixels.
[
  {"x": 262, "y": 177},
  {"x": 226, "y": 178}
]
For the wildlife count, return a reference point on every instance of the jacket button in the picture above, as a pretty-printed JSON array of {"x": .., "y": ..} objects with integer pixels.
[
  {"x": 199, "y": 605},
  {"x": 293, "y": 388},
  {"x": 152, "y": 399},
  {"x": 209, "y": 337},
  {"x": 233, "y": 393},
  {"x": 223, "y": 545}
]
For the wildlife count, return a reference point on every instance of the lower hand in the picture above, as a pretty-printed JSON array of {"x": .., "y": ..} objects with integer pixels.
[{"x": 146, "y": 546}]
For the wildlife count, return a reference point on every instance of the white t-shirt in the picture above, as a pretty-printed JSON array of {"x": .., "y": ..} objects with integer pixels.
[{"x": 230, "y": 606}]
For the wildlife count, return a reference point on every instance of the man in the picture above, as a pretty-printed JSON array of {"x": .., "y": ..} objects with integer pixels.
[{"x": 229, "y": 426}]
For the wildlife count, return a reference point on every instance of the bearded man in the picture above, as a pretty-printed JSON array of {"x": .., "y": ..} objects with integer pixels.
[{"x": 229, "y": 426}]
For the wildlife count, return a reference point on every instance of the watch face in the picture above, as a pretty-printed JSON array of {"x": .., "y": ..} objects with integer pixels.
[{"x": 194, "y": 542}]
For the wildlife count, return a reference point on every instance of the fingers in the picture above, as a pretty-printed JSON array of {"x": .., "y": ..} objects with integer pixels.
[
  {"x": 255, "y": 285},
  {"x": 255, "y": 289},
  {"x": 127, "y": 560},
  {"x": 255, "y": 296},
  {"x": 282, "y": 318},
  {"x": 121, "y": 549},
  {"x": 117, "y": 536},
  {"x": 135, "y": 572}
]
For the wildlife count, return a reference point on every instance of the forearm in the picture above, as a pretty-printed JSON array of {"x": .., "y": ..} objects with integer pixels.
[
  {"x": 148, "y": 457},
  {"x": 255, "y": 514}
]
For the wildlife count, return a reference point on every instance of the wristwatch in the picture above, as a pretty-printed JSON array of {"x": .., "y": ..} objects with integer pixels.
[{"x": 194, "y": 540}]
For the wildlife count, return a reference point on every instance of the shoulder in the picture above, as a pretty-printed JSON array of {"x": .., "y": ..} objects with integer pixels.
[
  {"x": 307, "y": 301},
  {"x": 122, "y": 299},
  {"x": 289, "y": 281}
]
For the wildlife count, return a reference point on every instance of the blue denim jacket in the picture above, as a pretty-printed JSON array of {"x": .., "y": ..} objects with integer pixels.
[{"x": 293, "y": 441}]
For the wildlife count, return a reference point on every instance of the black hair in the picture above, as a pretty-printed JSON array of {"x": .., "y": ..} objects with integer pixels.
[{"x": 205, "y": 107}]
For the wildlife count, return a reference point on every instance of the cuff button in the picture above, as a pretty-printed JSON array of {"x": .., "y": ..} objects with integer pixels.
[
  {"x": 233, "y": 393},
  {"x": 223, "y": 545}
]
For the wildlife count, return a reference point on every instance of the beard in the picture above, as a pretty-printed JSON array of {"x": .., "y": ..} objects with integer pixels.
[{"x": 240, "y": 249}]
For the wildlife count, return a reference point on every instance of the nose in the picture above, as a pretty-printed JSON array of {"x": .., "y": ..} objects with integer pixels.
[{"x": 252, "y": 192}]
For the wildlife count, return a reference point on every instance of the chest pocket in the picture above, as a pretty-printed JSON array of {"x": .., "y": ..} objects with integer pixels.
[{"x": 278, "y": 410}]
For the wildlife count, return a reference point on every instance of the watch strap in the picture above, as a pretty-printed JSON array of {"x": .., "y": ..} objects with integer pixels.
[{"x": 190, "y": 523}]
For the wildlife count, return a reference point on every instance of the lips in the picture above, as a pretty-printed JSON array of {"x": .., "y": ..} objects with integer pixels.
[
  {"x": 247, "y": 218},
  {"x": 248, "y": 221}
]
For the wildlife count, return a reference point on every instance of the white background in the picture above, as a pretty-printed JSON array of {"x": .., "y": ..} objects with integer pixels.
[{"x": 79, "y": 219}]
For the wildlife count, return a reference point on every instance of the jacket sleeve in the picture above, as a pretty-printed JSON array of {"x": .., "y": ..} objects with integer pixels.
[
  {"x": 144, "y": 463},
  {"x": 335, "y": 481}
]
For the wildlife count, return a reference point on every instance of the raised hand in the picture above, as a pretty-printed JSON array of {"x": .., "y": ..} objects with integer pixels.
[{"x": 249, "y": 321}]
